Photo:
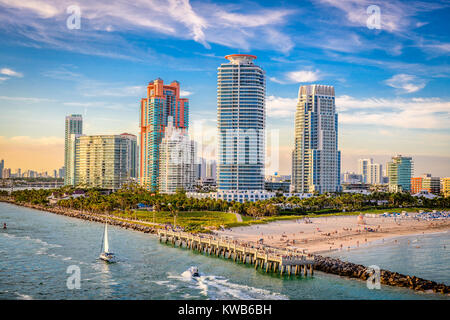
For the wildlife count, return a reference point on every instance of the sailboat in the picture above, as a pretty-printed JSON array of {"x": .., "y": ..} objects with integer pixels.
[{"x": 106, "y": 255}]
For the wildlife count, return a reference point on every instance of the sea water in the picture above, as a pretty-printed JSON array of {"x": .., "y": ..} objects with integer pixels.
[{"x": 38, "y": 248}]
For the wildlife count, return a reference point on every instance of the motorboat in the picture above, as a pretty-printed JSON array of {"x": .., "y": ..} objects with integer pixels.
[{"x": 194, "y": 271}]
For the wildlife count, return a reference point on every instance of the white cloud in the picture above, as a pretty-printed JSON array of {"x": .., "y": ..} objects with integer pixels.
[
  {"x": 233, "y": 26},
  {"x": 185, "y": 93},
  {"x": 181, "y": 10},
  {"x": 299, "y": 76},
  {"x": 280, "y": 107},
  {"x": 303, "y": 76},
  {"x": 395, "y": 16},
  {"x": 405, "y": 82},
  {"x": 413, "y": 113},
  {"x": 26, "y": 99},
  {"x": 10, "y": 72},
  {"x": 42, "y": 8}
]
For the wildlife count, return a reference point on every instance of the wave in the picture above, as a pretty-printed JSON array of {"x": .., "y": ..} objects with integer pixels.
[
  {"x": 217, "y": 287},
  {"x": 23, "y": 296},
  {"x": 35, "y": 240}
]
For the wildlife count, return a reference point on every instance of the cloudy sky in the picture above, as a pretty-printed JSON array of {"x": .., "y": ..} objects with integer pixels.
[{"x": 391, "y": 75}]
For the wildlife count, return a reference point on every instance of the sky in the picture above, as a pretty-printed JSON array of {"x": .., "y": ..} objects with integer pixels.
[{"x": 390, "y": 71}]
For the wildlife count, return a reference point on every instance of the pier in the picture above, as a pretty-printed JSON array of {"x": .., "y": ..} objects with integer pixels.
[{"x": 288, "y": 262}]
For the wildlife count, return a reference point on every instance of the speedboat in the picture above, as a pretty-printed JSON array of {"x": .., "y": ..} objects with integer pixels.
[
  {"x": 194, "y": 271},
  {"x": 106, "y": 255}
]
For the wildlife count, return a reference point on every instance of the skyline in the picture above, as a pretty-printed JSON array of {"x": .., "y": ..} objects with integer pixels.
[{"x": 390, "y": 83}]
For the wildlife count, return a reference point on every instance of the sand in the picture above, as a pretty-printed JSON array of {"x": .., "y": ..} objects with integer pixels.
[{"x": 327, "y": 234}]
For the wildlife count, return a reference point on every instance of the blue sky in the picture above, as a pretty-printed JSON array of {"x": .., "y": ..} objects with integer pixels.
[{"x": 392, "y": 83}]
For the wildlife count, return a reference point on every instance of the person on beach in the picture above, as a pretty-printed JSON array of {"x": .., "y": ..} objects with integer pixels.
[{"x": 4, "y": 225}]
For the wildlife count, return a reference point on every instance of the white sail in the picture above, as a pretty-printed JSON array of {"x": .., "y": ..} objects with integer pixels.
[{"x": 106, "y": 243}]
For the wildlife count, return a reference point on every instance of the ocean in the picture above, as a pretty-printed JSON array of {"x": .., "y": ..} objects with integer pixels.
[{"x": 39, "y": 248}]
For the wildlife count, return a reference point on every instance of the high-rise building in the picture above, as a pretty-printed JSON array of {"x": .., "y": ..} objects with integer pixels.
[
  {"x": 316, "y": 158},
  {"x": 241, "y": 118},
  {"x": 73, "y": 128},
  {"x": 445, "y": 182},
  {"x": 2, "y": 166},
  {"x": 352, "y": 178},
  {"x": 61, "y": 172},
  {"x": 177, "y": 159},
  {"x": 132, "y": 153},
  {"x": 363, "y": 168},
  {"x": 426, "y": 183},
  {"x": 200, "y": 169},
  {"x": 161, "y": 102},
  {"x": 371, "y": 173},
  {"x": 6, "y": 174},
  {"x": 211, "y": 169},
  {"x": 375, "y": 174},
  {"x": 399, "y": 171},
  {"x": 101, "y": 161}
]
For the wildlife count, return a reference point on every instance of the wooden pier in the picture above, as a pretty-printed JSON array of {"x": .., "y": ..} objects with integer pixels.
[{"x": 288, "y": 262}]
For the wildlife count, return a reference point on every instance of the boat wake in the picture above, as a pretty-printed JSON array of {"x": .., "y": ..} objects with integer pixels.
[{"x": 220, "y": 288}]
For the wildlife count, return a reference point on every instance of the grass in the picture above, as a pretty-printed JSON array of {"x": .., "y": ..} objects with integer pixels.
[
  {"x": 195, "y": 221},
  {"x": 203, "y": 221}
]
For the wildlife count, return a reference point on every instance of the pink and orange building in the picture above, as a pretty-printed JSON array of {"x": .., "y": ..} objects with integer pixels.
[{"x": 162, "y": 101}]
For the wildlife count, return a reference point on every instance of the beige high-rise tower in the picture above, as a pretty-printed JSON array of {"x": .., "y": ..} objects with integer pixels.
[{"x": 316, "y": 158}]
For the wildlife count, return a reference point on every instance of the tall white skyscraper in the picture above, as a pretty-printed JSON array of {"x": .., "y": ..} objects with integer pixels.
[
  {"x": 241, "y": 118},
  {"x": 74, "y": 127},
  {"x": 371, "y": 173},
  {"x": 316, "y": 158},
  {"x": 177, "y": 159}
]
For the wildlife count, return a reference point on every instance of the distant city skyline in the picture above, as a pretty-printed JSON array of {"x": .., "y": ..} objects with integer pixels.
[{"x": 391, "y": 82}]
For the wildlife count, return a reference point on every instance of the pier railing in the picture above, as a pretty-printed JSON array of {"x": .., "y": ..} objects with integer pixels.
[{"x": 266, "y": 258}]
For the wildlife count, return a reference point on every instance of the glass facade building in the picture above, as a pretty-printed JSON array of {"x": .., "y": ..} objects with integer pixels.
[
  {"x": 132, "y": 152},
  {"x": 73, "y": 128},
  {"x": 400, "y": 170},
  {"x": 241, "y": 124},
  {"x": 161, "y": 102},
  {"x": 316, "y": 160}
]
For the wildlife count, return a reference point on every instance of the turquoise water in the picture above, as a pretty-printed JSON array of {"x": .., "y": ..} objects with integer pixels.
[
  {"x": 425, "y": 255},
  {"x": 38, "y": 247}
]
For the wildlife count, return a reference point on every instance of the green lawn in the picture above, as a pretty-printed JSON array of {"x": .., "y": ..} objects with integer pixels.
[
  {"x": 201, "y": 221},
  {"x": 190, "y": 220}
]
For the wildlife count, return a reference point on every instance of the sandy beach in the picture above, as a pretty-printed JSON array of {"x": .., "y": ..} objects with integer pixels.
[{"x": 326, "y": 234}]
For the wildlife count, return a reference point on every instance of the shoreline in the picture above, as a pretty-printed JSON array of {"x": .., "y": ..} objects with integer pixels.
[
  {"x": 329, "y": 234},
  {"x": 321, "y": 263},
  {"x": 93, "y": 217},
  {"x": 380, "y": 241}
]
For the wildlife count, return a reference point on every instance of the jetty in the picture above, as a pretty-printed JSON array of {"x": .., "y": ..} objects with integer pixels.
[{"x": 289, "y": 262}]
